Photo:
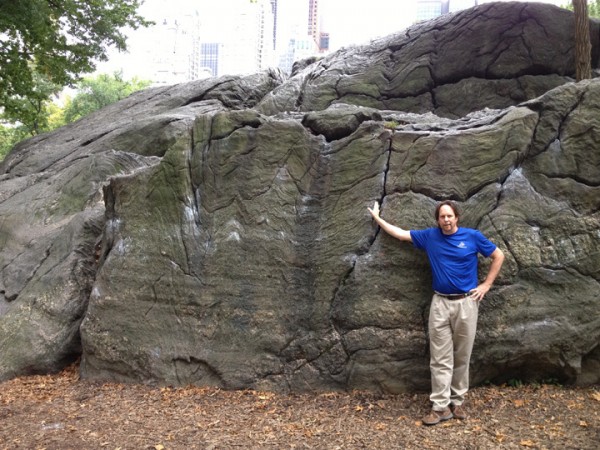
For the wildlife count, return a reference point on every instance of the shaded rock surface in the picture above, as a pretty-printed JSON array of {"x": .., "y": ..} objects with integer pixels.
[{"x": 216, "y": 232}]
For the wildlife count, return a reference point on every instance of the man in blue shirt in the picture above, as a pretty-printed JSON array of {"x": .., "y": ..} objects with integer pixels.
[{"x": 452, "y": 253}]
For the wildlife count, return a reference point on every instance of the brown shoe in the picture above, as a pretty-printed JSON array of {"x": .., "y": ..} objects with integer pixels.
[
  {"x": 435, "y": 417},
  {"x": 459, "y": 411}
]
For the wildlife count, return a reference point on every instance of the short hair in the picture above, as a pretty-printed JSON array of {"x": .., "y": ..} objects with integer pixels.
[{"x": 449, "y": 203}]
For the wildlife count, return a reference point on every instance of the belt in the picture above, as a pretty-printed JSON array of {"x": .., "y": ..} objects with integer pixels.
[{"x": 454, "y": 296}]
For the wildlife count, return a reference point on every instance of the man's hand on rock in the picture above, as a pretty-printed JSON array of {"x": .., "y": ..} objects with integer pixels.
[{"x": 375, "y": 211}]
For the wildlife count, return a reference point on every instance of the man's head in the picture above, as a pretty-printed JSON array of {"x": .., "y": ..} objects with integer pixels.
[{"x": 446, "y": 215}]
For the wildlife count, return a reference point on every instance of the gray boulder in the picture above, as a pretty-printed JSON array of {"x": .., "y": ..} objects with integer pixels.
[
  {"x": 52, "y": 210},
  {"x": 216, "y": 232}
]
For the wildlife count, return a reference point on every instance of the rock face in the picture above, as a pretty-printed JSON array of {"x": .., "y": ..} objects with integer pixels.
[{"x": 216, "y": 232}]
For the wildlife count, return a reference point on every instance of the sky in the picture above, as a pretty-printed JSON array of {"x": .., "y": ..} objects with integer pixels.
[{"x": 349, "y": 22}]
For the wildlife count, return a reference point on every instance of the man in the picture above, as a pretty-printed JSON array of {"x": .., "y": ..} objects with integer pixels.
[{"x": 452, "y": 253}]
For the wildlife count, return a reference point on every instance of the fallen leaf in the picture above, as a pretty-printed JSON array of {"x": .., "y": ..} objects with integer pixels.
[
  {"x": 329, "y": 395},
  {"x": 518, "y": 403},
  {"x": 583, "y": 423},
  {"x": 527, "y": 443},
  {"x": 595, "y": 395}
]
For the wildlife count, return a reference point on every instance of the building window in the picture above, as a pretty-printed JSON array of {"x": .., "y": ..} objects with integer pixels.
[
  {"x": 209, "y": 57},
  {"x": 428, "y": 9}
]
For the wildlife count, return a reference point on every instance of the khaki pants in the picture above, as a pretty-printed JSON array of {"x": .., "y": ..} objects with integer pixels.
[{"x": 452, "y": 326}]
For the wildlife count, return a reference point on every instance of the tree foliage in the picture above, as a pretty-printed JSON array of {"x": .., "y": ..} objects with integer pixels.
[
  {"x": 30, "y": 113},
  {"x": 58, "y": 40},
  {"x": 593, "y": 7},
  {"x": 98, "y": 92},
  {"x": 7, "y": 140},
  {"x": 28, "y": 116}
]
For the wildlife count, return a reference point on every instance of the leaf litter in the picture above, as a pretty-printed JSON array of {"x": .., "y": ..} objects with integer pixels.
[{"x": 63, "y": 412}]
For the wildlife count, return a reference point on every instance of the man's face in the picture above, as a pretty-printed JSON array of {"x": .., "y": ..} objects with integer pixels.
[{"x": 447, "y": 221}]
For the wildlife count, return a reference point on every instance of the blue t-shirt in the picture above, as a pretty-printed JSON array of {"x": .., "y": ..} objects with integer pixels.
[{"x": 453, "y": 257}]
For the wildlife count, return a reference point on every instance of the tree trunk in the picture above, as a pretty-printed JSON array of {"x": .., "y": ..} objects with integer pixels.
[{"x": 583, "y": 47}]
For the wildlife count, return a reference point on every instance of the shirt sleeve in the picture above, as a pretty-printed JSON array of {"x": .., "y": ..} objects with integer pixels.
[
  {"x": 484, "y": 245},
  {"x": 419, "y": 238}
]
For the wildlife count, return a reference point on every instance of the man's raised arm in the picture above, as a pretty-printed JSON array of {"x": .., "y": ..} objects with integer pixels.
[{"x": 392, "y": 230}]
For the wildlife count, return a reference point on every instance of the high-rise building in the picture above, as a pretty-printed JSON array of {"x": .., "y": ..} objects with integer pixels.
[
  {"x": 298, "y": 32},
  {"x": 207, "y": 60},
  {"x": 428, "y": 9},
  {"x": 266, "y": 34},
  {"x": 162, "y": 52},
  {"x": 313, "y": 19},
  {"x": 244, "y": 43},
  {"x": 274, "y": 12},
  {"x": 323, "y": 42},
  {"x": 320, "y": 37}
]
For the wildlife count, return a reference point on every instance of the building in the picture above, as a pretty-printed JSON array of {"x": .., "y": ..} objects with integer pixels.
[
  {"x": 160, "y": 53},
  {"x": 243, "y": 44},
  {"x": 190, "y": 40},
  {"x": 315, "y": 30},
  {"x": 299, "y": 32},
  {"x": 193, "y": 39}
]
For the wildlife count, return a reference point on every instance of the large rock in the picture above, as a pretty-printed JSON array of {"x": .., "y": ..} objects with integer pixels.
[
  {"x": 52, "y": 210},
  {"x": 216, "y": 232}
]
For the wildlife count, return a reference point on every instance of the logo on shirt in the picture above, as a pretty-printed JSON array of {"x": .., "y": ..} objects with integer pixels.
[{"x": 462, "y": 245}]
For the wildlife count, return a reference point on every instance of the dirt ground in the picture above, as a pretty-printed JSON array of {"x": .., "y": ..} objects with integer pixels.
[{"x": 62, "y": 412}]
